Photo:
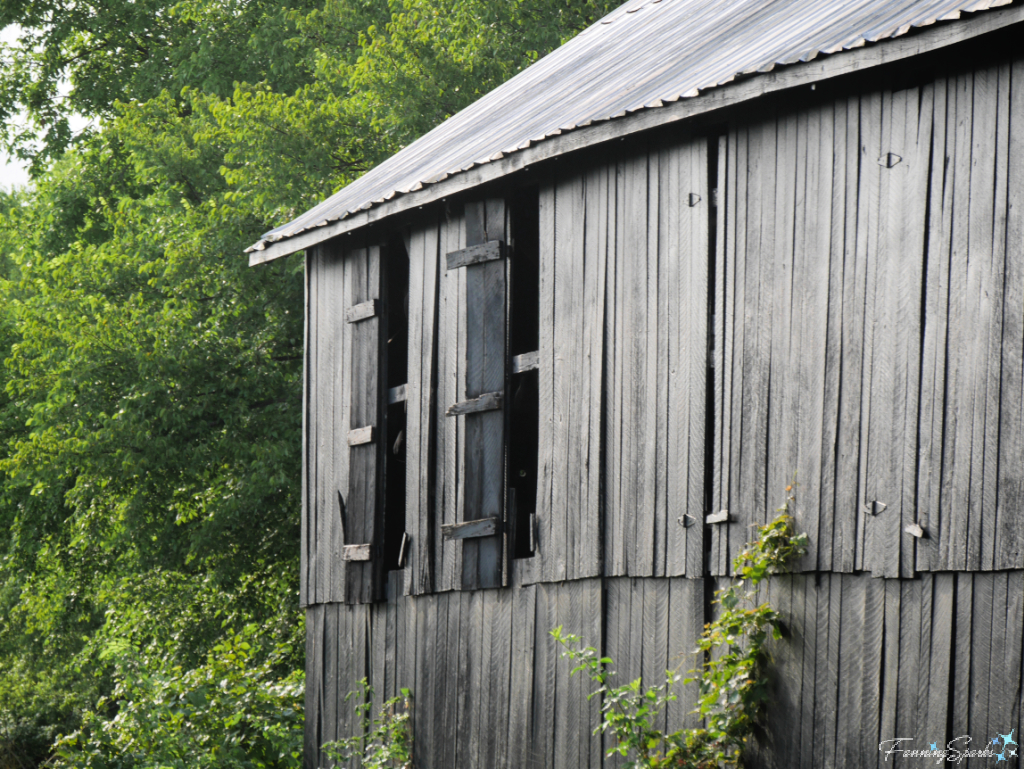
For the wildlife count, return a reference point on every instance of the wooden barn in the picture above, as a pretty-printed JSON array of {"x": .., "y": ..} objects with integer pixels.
[{"x": 566, "y": 348}]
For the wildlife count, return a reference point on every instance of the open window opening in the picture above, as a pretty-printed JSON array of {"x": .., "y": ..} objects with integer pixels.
[
  {"x": 396, "y": 307},
  {"x": 523, "y": 413}
]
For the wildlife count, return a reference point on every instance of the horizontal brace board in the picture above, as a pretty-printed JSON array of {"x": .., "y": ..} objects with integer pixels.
[
  {"x": 360, "y": 436},
  {"x": 722, "y": 516},
  {"x": 485, "y": 252},
  {"x": 486, "y": 402},
  {"x": 355, "y": 553},
  {"x": 361, "y": 311},
  {"x": 528, "y": 361},
  {"x": 396, "y": 395},
  {"x": 484, "y": 527}
]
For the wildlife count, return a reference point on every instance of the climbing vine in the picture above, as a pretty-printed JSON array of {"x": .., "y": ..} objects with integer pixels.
[
  {"x": 384, "y": 741},
  {"x": 731, "y": 679}
]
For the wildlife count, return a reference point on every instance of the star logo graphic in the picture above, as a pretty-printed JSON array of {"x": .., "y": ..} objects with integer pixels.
[
  {"x": 934, "y": 747},
  {"x": 1000, "y": 757},
  {"x": 1008, "y": 739},
  {"x": 995, "y": 740}
]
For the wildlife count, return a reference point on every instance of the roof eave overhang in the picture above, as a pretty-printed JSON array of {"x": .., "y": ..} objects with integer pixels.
[{"x": 783, "y": 78}]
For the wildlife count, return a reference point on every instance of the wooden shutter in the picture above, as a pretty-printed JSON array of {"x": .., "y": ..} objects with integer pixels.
[
  {"x": 475, "y": 276},
  {"x": 360, "y": 498}
]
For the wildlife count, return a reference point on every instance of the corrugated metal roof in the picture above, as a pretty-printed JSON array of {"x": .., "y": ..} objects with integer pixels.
[{"x": 643, "y": 55}]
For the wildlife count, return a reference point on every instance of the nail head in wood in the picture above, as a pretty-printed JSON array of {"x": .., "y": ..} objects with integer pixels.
[
  {"x": 694, "y": 199},
  {"x": 359, "y": 312},
  {"x": 355, "y": 553},
  {"x": 722, "y": 516},
  {"x": 528, "y": 361},
  {"x": 914, "y": 530},
  {"x": 483, "y": 527},
  {"x": 686, "y": 520},
  {"x": 360, "y": 435},
  {"x": 875, "y": 507},
  {"x": 485, "y": 252},
  {"x": 486, "y": 402}
]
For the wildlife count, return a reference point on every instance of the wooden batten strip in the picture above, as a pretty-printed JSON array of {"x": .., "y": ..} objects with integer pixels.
[
  {"x": 485, "y": 252},
  {"x": 484, "y": 527},
  {"x": 360, "y": 436},
  {"x": 362, "y": 311},
  {"x": 528, "y": 361},
  {"x": 355, "y": 553},
  {"x": 486, "y": 402},
  {"x": 396, "y": 395}
]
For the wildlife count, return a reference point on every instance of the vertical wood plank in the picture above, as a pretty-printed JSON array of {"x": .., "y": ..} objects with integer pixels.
[
  {"x": 592, "y": 629},
  {"x": 871, "y": 116},
  {"x": 520, "y": 734},
  {"x": 420, "y": 405},
  {"x": 849, "y": 739},
  {"x": 1008, "y": 534},
  {"x": 595, "y": 267},
  {"x": 545, "y": 657},
  {"x": 695, "y": 353},
  {"x": 548, "y": 541},
  {"x": 685, "y": 624},
  {"x": 334, "y": 459},
  {"x": 942, "y": 612},
  {"x": 722, "y": 332},
  {"x": 448, "y": 553},
  {"x": 306, "y": 526},
  {"x": 962, "y": 643},
  {"x": 847, "y": 554},
  {"x": 956, "y": 469},
  {"x": 314, "y": 675},
  {"x": 499, "y": 682},
  {"x": 454, "y": 680},
  {"x": 986, "y": 294},
  {"x": 332, "y": 680},
  {"x": 933, "y": 376}
]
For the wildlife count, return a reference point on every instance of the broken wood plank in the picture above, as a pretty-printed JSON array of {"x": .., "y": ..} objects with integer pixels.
[
  {"x": 360, "y": 435},
  {"x": 483, "y": 252},
  {"x": 482, "y": 527},
  {"x": 486, "y": 402},
  {"x": 356, "y": 552},
  {"x": 528, "y": 361},
  {"x": 362, "y": 311}
]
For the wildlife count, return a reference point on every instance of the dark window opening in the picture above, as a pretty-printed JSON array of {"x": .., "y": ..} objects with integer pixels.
[
  {"x": 523, "y": 412},
  {"x": 396, "y": 300}
]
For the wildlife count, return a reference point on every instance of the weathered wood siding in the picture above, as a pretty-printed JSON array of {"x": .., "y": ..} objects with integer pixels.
[
  {"x": 489, "y": 684},
  {"x": 872, "y": 325},
  {"x": 863, "y": 660}
]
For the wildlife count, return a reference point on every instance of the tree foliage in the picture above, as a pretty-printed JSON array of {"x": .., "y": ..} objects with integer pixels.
[{"x": 151, "y": 386}]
